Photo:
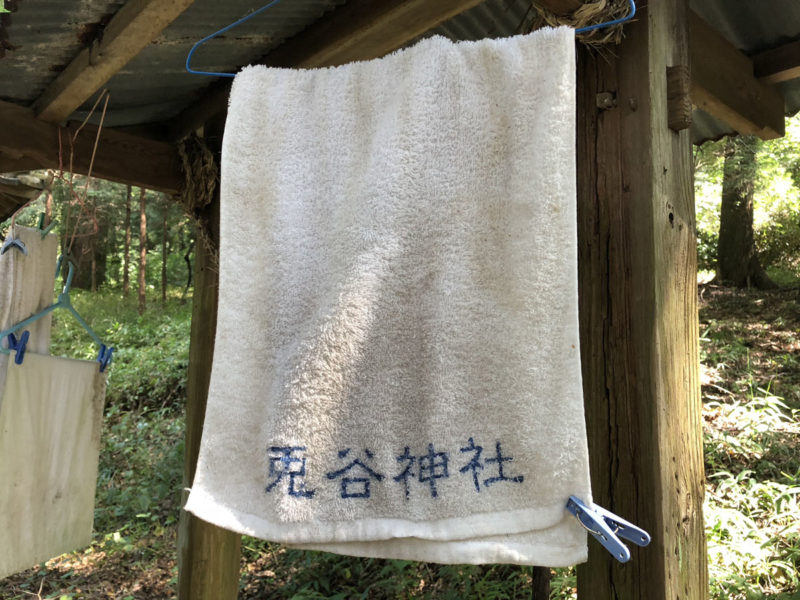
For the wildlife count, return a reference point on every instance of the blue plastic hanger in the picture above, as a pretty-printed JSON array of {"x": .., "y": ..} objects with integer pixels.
[
  {"x": 628, "y": 17},
  {"x": 274, "y": 2},
  {"x": 45, "y": 230},
  {"x": 12, "y": 242},
  {"x": 105, "y": 353},
  {"x": 220, "y": 32}
]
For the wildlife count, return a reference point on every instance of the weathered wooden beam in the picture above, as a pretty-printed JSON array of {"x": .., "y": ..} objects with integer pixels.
[
  {"x": 560, "y": 7},
  {"x": 638, "y": 313},
  {"x": 120, "y": 156},
  {"x": 208, "y": 556},
  {"x": 10, "y": 164},
  {"x": 131, "y": 29},
  {"x": 725, "y": 86},
  {"x": 359, "y": 30},
  {"x": 778, "y": 64}
]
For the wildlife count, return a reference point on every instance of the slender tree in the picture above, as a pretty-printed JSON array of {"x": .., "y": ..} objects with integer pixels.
[
  {"x": 737, "y": 260},
  {"x": 164, "y": 232},
  {"x": 126, "y": 256},
  {"x": 48, "y": 204},
  {"x": 142, "y": 250}
]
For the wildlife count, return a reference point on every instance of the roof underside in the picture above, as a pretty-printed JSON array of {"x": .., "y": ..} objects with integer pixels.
[{"x": 43, "y": 36}]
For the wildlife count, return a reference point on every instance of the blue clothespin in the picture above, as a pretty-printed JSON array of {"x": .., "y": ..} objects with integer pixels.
[
  {"x": 605, "y": 526},
  {"x": 18, "y": 345},
  {"x": 12, "y": 242},
  {"x": 104, "y": 357}
]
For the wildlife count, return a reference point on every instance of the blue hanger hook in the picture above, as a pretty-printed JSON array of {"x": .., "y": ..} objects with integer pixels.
[
  {"x": 628, "y": 17},
  {"x": 220, "y": 32},
  {"x": 274, "y": 2}
]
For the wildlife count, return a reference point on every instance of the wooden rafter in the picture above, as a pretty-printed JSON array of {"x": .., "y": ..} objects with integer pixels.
[
  {"x": 560, "y": 7},
  {"x": 359, "y": 30},
  {"x": 778, "y": 64},
  {"x": 27, "y": 140},
  {"x": 131, "y": 29},
  {"x": 724, "y": 85}
]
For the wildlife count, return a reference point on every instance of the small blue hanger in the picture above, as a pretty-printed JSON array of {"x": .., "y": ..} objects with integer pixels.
[
  {"x": 628, "y": 17},
  {"x": 274, "y": 2},
  {"x": 45, "y": 230},
  {"x": 605, "y": 526},
  {"x": 220, "y": 32},
  {"x": 105, "y": 353}
]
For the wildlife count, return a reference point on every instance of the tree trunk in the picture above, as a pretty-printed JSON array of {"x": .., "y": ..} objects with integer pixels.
[
  {"x": 48, "y": 206},
  {"x": 737, "y": 260},
  {"x": 126, "y": 258},
  {"x": 94, "y": 264},
  {"x": 142, "y": 250},
  {"x": 540, "y": 587},
  {"x": 165, "y": 206}
]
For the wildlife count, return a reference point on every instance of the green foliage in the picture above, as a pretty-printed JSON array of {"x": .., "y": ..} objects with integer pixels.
[
  {"x": 752, "y": 449},
  {"x": 275, "y": 571},
  {"x": 751, "y": 513},
  {"x": 152, "y": 350},
  {"x": 139, "y": 477},
  {"x": 776, "y": 220},
  {"x": 94, "y": 226}
]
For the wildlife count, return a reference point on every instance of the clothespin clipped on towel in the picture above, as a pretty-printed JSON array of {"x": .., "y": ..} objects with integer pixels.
[
  {"x": 605, "y": 526},
  {"x": 18, "y": 345},
  {"x": 12, "y": 242}
]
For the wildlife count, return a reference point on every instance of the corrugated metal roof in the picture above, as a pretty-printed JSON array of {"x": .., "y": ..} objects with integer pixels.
[
  {"x": 46, "y": 35},
  {"x": 154, "y": 86},
  {"x": 752, "y": 27},
  {"x": 493, "y": 18}
]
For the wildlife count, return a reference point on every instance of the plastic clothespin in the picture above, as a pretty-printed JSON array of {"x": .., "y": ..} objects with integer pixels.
[
  {"x": 18, "y": 345},
  {"x": 605, "y": 526},
  {"x": 13, "y": 243},
  {"x": 104, "y": 357},
  {"x": 45, "y": 230}
]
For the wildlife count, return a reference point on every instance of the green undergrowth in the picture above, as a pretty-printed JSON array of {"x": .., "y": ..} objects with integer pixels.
[
  {"x": 273, "y": 571},
  {"x": 750, "y": 353},
  {"x": 151, "y": 353},
  {"x": 749, "y": 350}
]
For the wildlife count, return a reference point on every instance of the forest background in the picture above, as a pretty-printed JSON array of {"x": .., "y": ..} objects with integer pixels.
[{"x": 133, "y": 250}]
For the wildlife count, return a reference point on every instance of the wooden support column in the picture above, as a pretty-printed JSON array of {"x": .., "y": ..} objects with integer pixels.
[
  {"x": 638, "y": 310},
  {"x": 208, "y": 556}
]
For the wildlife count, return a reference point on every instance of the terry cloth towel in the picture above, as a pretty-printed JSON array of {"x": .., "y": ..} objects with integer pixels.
[
  {"x": 26, "y": 287},
  {"x": 396, "y": 370},
  {"x": 49, "y": 447}
]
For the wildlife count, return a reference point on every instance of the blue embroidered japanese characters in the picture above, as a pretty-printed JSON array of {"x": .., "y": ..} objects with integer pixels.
[
  {"x": 417, "y": 473},
  {"x": 362, "y": 489},
  {"x": 283, "y": 460}
]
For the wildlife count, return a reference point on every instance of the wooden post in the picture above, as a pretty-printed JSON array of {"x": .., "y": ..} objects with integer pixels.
[
  {"x": 208, "y": 556},
  {"x": 638, "y": 305}
]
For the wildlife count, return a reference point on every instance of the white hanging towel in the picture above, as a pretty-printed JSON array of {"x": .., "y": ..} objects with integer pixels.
[
  {"x": 396, "y": 370},
  {"x": 50, "y": 423},
  {"x": 26, "y": 287}
]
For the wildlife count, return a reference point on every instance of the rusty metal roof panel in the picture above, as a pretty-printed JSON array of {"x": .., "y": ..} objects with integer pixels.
[
  {"x": 493, "y": 18},
  {"x": 47, "y": 34},
  {"x": 155, "y": 86},
  {"x": 42, "y": 37}
]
